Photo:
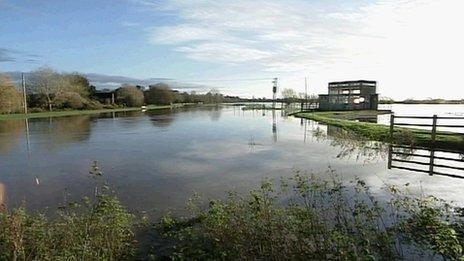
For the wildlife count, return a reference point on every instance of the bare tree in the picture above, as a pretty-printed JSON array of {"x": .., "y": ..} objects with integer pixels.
[
  {"x": 289, "y": 94},
  {"x": 47, "y": 83},
  {"x": 217, "y": 97}
]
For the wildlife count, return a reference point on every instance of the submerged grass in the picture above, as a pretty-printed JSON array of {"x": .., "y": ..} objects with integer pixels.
[
  {"x": 377, "y": 132},
  {"x": 300, "y": 218}
]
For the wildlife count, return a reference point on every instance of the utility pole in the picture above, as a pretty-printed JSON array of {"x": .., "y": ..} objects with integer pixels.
[
  {"x": 274, "y": 92},
  {"x": 306, "y": 93},
  {"x": 306, "y": 89},
  {"x": 23, "y": 83}
]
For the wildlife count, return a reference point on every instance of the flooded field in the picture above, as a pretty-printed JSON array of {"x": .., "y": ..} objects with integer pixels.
[{"x": 156, "y": 160}]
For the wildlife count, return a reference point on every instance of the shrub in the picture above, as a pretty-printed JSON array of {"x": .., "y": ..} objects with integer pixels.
[
  {"x": 306, "y": 218},
  {"x": 130, "y": 96},
  {"x": 94, "y": 105},
  {"x": 86, "y": 231},
  {"x": 160, "y": 94},
  {"x": 10, "y": 98},
  {"x": 312, "y": 219},
  {"x": 70, "y": 100}
]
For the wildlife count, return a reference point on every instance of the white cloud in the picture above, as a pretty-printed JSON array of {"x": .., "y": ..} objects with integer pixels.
[
  {"x": 129, "y": 24},
  {"x": 184, "y": 33},
  {"x": 223, "y": 52},
  {"x": 401, "y": 43}
]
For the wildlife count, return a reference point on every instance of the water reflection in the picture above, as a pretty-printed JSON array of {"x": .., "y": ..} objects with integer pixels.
[
  {"x": 352, "y": 145},
  {"x": 156, "y": 160},
  {"x": 161, "y": 118},
  {"x": 2, "y": 197},
  {"x": 10, "y": 135},
  {"x": 274, "y": 126},
  {"x": 215, "y": 113},
  {"x": 55, "y": 133},
  {"x": 427, "y": 160},
  {"x": 120, "y": 114}
]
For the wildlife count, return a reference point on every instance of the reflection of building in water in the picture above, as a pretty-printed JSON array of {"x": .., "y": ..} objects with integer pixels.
[
  {"x": 274, "y": 126},
  {"x": 2, "y": 196}
]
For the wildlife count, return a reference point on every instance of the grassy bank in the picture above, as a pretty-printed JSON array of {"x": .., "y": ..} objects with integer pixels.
[
  {"x": 377, "y": 132},
  {"x": 299, "y": 218},
  {"x": 79, "y": 112}
]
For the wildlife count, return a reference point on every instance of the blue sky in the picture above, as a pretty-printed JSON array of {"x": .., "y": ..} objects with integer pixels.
[{"x": 409, "y": 46}]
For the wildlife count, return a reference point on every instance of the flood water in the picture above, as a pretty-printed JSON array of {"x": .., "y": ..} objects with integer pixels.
[{"x": 156, "y": 160}]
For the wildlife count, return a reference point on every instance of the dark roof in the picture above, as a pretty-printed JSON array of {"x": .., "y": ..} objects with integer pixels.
[
  {"x": 358, "y": 81},
  {"x": 104, "y": 91}
]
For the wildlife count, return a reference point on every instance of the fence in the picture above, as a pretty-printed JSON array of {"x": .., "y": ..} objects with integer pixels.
[{"x": 405, "y": 153}]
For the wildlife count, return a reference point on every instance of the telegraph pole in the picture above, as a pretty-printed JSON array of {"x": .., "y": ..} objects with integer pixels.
[
  {"x": 274, "y": 92},
  {"x": 306, "y": 89},
  {"x": 23, "y": 83}
]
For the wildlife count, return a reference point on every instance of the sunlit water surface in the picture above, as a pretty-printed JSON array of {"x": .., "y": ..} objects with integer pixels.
[{"x": 156, "y": 160}]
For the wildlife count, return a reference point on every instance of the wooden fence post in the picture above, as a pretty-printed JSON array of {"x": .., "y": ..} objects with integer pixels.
[
  {"x": 392, "y": 124},
  {"x": 390, "y": 146},
  {"x": 433, "y": 137}
]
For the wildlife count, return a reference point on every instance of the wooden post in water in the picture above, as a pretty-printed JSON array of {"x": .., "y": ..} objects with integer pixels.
[
  {"x": 432, "y": 151},
  {"x": 390, "y": 147}
]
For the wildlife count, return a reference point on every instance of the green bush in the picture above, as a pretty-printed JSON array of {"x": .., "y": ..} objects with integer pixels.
[
  {"x": 86, "y": 231},
  {"x": 10, "y": 98},
  {"x": 303, "y": 218},
  {"x": 70, "y": 100},
  {"x": 130, "y": 96},
  {"x": 312, "y": 219},
  {"x": 94, "y": 105}
]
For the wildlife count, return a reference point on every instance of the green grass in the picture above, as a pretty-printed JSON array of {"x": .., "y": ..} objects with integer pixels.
[
  {"x": 377, "y": 132},
  {"x": 352, "y": 115},
  {"x": 78, "y": 112}
]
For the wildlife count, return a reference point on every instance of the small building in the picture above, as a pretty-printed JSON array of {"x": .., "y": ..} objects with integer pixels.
[
  {"x": 350, "y": 95},
  {"x": 105, "y": 96}
]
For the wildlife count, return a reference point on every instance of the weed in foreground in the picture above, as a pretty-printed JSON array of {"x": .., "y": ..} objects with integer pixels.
[
  {"x": 308, "y": 218},
  {"x": 80, "y": 231}
]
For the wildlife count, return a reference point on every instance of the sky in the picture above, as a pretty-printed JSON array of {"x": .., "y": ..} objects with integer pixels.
[{"x": 412, "y": 48}]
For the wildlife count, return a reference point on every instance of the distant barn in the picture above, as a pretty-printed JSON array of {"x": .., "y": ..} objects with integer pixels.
[
  {"x": 350, "y": 95},
  {"x": 105, "y": 96}
]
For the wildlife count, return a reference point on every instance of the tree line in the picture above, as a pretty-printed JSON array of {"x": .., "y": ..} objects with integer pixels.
[{"x": 49, "y": 90}]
